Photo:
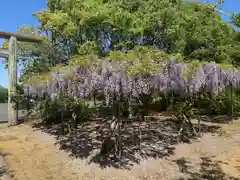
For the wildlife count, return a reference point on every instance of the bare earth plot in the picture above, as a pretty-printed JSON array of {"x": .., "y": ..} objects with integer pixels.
[{"x": 32, "y": 154}]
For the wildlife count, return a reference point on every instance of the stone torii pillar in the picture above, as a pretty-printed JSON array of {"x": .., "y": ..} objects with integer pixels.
[{"x": 11, "y": 54}]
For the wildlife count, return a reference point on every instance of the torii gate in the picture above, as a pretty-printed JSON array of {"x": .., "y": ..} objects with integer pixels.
[{"x": 11, "y": 54}]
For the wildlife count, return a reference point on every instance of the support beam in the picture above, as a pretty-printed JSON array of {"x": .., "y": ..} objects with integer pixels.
[
  {"x": 4, "y": 52},
  {"x": 12, "y": 81},
  {"x": 11, "y": 54},
  {"x": 20, "y": 36}
]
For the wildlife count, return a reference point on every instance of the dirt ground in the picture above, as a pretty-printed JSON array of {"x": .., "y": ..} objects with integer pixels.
[{"x": 31, "y": 154}]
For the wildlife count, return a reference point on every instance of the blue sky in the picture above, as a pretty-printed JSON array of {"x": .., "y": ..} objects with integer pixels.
[{"x": 21, "y": 13}]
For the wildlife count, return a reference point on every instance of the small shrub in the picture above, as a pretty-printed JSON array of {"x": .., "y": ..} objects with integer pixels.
[
  {"x": 225, "y": 103},
  {"x": 63, "y": 109}
]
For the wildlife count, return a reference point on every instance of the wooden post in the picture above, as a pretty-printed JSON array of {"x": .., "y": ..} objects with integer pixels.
[
  {"x": 11, "y": 54},
  {"x": 12, "y": 81}
]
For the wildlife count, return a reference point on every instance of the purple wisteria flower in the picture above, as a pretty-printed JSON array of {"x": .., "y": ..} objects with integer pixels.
[{"x": 111, "y": 79}]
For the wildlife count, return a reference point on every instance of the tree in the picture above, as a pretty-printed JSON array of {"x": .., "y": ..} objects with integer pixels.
[
  {"x": 34, "y": 57},
  {"x": 72, "y": 28},
  {"x": 3, "y": 94},
  {"x": 189, "y": 28},
  {"x": 236, "y": 20}
]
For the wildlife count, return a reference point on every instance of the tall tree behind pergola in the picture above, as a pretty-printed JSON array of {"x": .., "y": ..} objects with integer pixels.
[{"x": 11, "y": 54}]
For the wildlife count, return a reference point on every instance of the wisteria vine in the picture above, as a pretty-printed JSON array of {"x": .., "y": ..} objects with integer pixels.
[{"x": 111, "y": 79}]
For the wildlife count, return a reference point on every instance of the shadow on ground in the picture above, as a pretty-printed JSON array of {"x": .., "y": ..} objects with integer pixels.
[
  {"x": 2, "y": 165},
  {"x": 220, "y": 119},
  {"x": 148, "y": 139},
  {"x": 209, "y": 169},
  {"x": 2, "y": 171}
]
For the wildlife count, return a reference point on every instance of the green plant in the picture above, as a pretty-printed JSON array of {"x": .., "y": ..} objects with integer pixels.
[
  {"x": 3, "y": 94},
  {"x": 227, "y": 102},
  {"x": 183, "y": 108},
  {"x": 63, "y": 110}
]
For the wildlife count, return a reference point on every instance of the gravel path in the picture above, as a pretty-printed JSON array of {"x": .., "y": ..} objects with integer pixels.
[{"x": 34, "y": 155}]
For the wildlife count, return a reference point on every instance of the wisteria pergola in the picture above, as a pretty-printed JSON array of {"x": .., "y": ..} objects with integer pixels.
[{"x": 11, "y": 54}]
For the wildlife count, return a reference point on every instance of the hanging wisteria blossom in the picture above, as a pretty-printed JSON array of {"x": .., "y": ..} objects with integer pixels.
[{"x": 113, "y": 80}]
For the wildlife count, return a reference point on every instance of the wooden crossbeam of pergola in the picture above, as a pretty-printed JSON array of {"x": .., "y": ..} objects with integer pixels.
[
  {"x": 20, "y": 36},
  {"x": 11, "y": 54}
]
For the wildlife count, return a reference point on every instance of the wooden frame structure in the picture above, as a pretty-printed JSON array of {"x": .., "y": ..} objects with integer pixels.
[{"x": 11, "y": 54}]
